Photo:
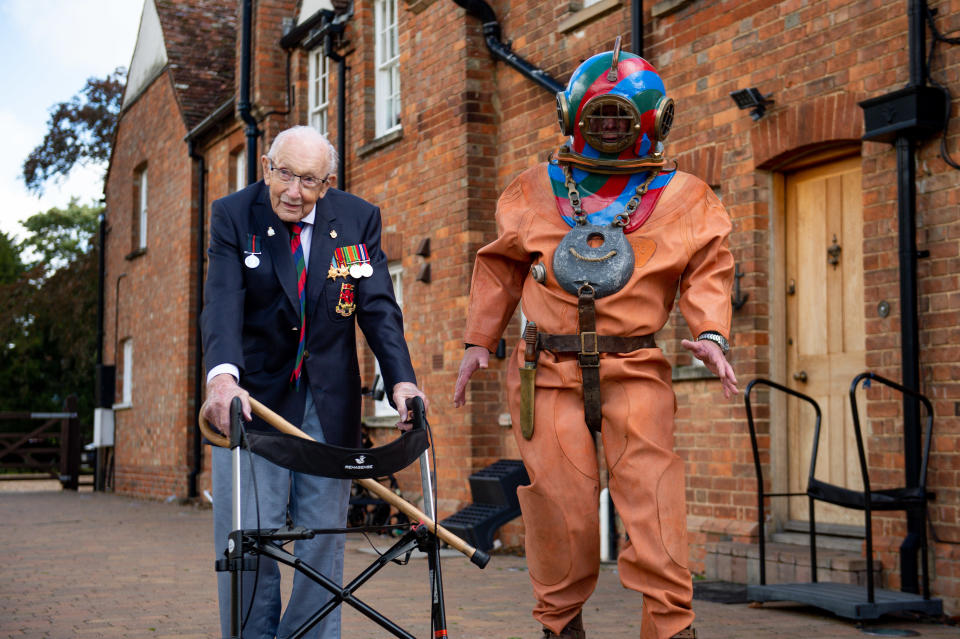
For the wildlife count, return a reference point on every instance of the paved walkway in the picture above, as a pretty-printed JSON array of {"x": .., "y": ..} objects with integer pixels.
[{"x": 78, "y": 565}]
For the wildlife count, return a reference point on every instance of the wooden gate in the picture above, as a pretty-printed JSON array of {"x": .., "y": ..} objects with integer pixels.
[{"x": 51, "y": 449}]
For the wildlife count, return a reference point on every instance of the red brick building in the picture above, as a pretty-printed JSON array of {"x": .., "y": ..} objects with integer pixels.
[{"x": 434, "y": 126}]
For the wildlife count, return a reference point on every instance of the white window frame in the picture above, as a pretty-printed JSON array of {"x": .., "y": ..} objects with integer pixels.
[
  {"x": 387, "y": 60},
  {"x": 126, "y": 350},
  {"x": 240, "y": 168},
  {"x": 142, "y": 209},
  {"x": 318, "y": 93},
  {"x": 382, "y": 407}
]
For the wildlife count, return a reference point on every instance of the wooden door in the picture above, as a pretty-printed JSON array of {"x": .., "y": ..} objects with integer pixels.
[{"x": 825, "y": 326}]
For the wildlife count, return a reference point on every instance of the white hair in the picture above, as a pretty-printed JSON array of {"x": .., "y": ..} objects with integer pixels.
[{"x": 306, "y": 132}]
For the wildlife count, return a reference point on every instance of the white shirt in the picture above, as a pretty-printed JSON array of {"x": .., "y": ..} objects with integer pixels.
[{"x": 306, "y": 238}]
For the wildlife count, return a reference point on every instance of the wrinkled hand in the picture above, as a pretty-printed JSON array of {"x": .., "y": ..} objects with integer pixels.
[
  {"x": 473, "y": 358},
  {"x": 710, "y": 354},
  {"x": 220, "y": 393},
  {"x": 402, "y": 391}
]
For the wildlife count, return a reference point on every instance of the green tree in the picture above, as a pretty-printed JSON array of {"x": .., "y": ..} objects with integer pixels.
[
  {"x": 47, "y": 314},
  {"x": 60, "y": 236},
  {"x": 11, "y": 266},
  {"x": 79, "y": 131}
]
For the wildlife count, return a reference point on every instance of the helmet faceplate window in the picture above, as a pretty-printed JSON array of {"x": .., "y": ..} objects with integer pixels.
[{"x": 610, "y": 123}]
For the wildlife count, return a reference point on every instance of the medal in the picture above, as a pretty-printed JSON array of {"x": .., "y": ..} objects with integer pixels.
[
  {"x": 252, "y": 251},
  {"x": 351, "y": 260},
  {"x": 346, "y": 306}
]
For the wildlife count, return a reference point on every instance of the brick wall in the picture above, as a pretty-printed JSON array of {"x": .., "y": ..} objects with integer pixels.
[
  {"x": 470, "y": 125},
  {"x": 155, "y": 300}
]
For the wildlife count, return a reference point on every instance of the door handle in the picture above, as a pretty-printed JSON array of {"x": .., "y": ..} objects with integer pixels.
[{"x": 801, "y": 376}]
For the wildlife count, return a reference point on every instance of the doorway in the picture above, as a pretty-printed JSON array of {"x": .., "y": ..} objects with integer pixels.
[{"x": 824, "y": 332}]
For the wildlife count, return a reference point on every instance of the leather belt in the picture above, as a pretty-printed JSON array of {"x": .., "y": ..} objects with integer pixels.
[
  {"x": 588, "y": 346},
  {"x": 604, "y": 343}
]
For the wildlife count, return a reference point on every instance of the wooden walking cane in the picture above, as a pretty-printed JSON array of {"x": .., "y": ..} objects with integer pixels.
[{"x": 478, "y": 557}]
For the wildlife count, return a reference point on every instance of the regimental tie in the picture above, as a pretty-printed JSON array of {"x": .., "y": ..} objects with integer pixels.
[{"x": 297, "y": 249}]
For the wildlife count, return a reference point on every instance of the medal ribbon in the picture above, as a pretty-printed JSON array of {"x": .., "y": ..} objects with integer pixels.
[{"x": 297, "y": 249}]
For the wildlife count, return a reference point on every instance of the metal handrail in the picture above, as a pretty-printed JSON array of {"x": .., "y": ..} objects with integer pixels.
[{"x": 759, "y": 471}]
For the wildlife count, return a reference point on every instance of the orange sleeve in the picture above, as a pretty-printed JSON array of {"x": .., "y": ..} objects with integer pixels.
[
  {"x": 708, "y": 278},
  {"x": 498, "y": 272}
]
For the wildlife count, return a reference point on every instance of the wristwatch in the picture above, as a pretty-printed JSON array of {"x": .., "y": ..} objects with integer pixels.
[{"x": 717, "y": 339}]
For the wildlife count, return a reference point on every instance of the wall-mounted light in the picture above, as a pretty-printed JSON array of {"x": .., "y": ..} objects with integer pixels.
[{"x": 752, "y": 99}]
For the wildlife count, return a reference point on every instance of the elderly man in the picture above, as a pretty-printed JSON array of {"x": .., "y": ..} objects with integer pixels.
[
  {"x": 596, "y": 245},
  {"x": 295, "y": 265}
]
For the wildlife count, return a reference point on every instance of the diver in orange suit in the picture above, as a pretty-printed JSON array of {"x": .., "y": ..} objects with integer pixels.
[{"x": 638, "y": 234}]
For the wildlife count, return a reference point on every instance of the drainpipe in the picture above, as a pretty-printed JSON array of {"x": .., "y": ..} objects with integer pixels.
[
  {"x": 502, "y": 51},
  {"x": 341, "y": 109},
  {"x": 636, "y": 27},
  {"x": 101, "y": 276},
  {"x": 909, "y": 321},
  {"x": 903, "y": 118},
  {"x": 197, "y": 466},
  {"x": 244, "y": 105}
]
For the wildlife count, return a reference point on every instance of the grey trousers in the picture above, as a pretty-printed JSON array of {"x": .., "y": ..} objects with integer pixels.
[{"x": 314, "y": 502}]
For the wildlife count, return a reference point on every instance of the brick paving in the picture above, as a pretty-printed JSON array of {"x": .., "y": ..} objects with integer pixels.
[{"x": 78, "y": 565}]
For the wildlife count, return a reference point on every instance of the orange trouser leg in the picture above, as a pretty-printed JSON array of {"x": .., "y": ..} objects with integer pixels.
[
  {"x": 648, "y": 489},
  {"x": 560, "y": 505}
]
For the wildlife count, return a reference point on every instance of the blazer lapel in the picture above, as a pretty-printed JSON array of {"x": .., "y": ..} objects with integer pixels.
[
  {"x": 278, "y": 245},
  {"x": 325, "y": 226}
]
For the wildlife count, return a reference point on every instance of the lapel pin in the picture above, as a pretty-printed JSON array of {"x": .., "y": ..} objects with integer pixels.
[
  {"x": 270, "y": 231},
  {"x": 333, "y": 233}
]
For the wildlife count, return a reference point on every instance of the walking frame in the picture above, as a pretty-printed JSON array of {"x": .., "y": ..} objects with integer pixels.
[{"x": 294, "y": 449}]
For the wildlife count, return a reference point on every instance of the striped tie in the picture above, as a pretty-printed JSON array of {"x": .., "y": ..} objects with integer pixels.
[{"x": 297, "y": 249}]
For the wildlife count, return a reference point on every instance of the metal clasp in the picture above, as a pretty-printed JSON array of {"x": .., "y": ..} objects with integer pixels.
[{"x": 589, "y": 356}]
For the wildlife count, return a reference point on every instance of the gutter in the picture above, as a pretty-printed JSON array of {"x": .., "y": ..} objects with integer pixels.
[{"x": 502, "y": 51}]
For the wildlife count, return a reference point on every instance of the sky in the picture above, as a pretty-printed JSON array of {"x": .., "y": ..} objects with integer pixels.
[{"x": 48, "y": 49}]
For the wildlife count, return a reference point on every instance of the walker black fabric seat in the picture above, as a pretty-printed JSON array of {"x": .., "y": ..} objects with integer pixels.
[{"x": 326, "y": 460}]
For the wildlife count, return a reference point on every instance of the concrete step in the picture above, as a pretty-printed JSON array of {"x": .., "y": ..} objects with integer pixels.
[
  {"x": 739, "y": 562},
  {"x": 832, "y": 542}
]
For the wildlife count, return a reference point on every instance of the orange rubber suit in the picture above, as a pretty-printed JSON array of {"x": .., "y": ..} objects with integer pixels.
[{"x": 682, "y": 246}]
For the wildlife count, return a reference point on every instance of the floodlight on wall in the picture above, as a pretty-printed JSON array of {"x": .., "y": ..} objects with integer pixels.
[{"x": 752, "y": 99}]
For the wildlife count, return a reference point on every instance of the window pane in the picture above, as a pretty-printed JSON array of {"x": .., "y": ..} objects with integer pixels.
[
  {"x": 127, "y": 371},
  {"x": 388, "y": 72},
  {"x": 142, "y": 211},
  {"x": 382, "y": 406}
]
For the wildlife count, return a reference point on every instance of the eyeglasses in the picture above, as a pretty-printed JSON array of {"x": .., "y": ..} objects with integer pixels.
[{"x": 306, "y": 181}]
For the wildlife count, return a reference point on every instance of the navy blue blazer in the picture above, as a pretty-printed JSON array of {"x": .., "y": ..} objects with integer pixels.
[{"x": 251, "y": 316}]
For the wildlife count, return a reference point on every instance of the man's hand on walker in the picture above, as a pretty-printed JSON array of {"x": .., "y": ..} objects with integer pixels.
[
  {"x": 473, "y": 358},
  {"x": 402, "y": 391},
  {"x": 710, "y": 354},
  {"x": 220, "y": 393}
]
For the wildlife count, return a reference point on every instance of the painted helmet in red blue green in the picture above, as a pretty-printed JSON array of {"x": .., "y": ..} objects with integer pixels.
[{"x": 615, "y": 110}]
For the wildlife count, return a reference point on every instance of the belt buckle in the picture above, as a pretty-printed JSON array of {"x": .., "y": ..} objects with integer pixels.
[{"x": 588, "y": 357}]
